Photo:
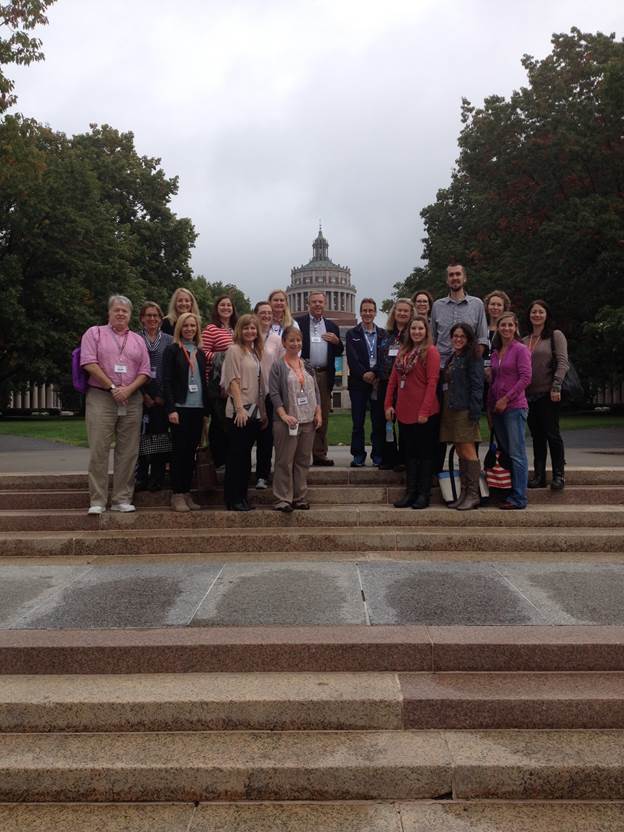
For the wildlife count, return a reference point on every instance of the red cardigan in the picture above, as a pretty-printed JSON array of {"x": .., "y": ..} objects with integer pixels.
[{"x": 418, "y": 397}]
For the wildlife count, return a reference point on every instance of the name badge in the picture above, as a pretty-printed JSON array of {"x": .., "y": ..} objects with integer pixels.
[
  {"x": 121, "y": 368},
  {"x": 193, "y": 388},
  {"x": 315, "y": 339},
  {"x": 402, "y": 384},
  {"x": 303, "y": 399},
  {"x": 153, "y": 373},
  {"x": 393, "y": 351},
  {"x": 444, "y": 387}
]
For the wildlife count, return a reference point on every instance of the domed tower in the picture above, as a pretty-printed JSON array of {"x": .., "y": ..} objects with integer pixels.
[{"x": 320, "y": 274}]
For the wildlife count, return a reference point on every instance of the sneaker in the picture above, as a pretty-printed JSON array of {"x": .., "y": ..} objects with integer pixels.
[
  {"x": 125, "y": 507},
  {"x": 358, "y": 462},
  {"x": 261, "y": 484},
  {"x": 96, "y": 510}
]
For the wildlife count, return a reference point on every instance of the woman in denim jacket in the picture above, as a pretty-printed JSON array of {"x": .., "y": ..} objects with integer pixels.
[{"x": 462, "y": 386}]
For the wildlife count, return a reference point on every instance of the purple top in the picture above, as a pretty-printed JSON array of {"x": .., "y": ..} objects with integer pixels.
[{"x": 511, "y": 377}]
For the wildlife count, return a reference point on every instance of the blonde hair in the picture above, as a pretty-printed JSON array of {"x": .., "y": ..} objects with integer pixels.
[
  {"x": 408, "y": 345},
  {"x": 288, "y": 318},
  {"x": 390, "y": 324},
  {"x": 172, "y": 315},
  {"x": 177, "y": 333},
  {"x": 241, "y": 323}
]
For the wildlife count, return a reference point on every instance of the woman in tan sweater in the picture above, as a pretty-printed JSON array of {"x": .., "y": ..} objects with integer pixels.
[{"x": 549, "y": 360}]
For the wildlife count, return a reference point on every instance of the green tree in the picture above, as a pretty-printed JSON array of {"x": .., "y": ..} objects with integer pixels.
[
  {"x": 17, "y": 19},
  {"x": 206, "y": 294},
  {"x": 535, "y": 204},
  {"x": 80, "y": 218}
]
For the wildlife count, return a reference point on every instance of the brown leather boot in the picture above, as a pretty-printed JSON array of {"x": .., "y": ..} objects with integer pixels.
[
  {"x": 473, "y": 495},
  {"x": 462, "y": 479}
]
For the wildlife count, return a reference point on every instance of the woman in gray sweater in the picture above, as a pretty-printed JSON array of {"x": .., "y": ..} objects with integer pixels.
[
  {"x": 296, "y": 416},
  {"x": 549, "y": 361}
]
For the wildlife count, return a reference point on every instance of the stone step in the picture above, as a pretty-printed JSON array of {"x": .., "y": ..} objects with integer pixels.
[
  {"x": 306, "y": 765},
  {"x": 328, "y": 539},
  {"x": 318, "y": 476},
  {"x": 348, "y": 516},
  {"x": 292, "y": 649},
  {"x": 312, "y": 701},
  {"x": 412, "y": 816},
  {"x": 320, "y": 495}
]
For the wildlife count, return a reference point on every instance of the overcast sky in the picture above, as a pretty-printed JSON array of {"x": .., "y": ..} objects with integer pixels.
[{"x": 278, "y": 113}]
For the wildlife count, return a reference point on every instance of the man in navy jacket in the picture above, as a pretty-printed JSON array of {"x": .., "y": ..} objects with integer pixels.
[
  {"x": 362, "y": 343},
  {"x": 321, "y": 345}
]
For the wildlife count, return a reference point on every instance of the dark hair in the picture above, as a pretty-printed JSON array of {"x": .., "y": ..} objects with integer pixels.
[
  {"x": 367, "y": 300},
  {"x": 497, "y": 341},
  {"x": 259, "y": 304},
  {"x": 428, "y": 295},
  {"x": 548, "y": 323},
  {"x": 472, "y": 347},
  {"x": 215, "y": 313}
]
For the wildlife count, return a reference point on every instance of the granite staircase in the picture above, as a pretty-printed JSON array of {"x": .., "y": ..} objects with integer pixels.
[{"x": 349, "y": 728}]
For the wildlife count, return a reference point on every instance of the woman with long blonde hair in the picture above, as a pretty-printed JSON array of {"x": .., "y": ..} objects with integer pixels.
[{"x": 182, "y": 300}]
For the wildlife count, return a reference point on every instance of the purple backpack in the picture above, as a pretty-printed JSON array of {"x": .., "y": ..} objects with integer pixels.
[{"x": 80, "y": 377}]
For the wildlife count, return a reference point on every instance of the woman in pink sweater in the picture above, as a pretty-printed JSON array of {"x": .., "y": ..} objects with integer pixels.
[
  {"x": 507, "y": 403},
  {"x": 411, "y": 397}
]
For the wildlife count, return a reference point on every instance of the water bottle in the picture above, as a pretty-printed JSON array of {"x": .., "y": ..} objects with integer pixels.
[{"x": 389, "y": 431}]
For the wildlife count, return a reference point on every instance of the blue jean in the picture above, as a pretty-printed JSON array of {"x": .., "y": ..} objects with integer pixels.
[
  {"x": 360, "y": 401},
  {"x": 509, "y": 428}
]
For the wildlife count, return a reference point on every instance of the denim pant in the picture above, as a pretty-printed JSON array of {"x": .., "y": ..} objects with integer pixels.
[
  {"x": 360, "y": 401},
  {"x": 510, "y": 428}
]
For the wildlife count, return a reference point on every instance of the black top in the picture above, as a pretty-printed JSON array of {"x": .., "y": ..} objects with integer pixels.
[
  {"x": 175, "y": 376},
  {"x": 358, "y": 356}
]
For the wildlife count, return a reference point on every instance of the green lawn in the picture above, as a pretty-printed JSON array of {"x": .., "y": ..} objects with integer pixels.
[{"x": 71, "y": 429}]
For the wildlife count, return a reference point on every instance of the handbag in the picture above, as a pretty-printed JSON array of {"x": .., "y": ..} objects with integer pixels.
[
  {"x": 205, "y": 470},
  {"x": 450, "y": 482},
  {"x": 497, "y": 466},
  {"x": 154, "y": 443}
]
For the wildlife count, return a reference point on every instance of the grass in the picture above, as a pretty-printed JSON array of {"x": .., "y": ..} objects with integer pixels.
[{"x": 70, "y": 430}]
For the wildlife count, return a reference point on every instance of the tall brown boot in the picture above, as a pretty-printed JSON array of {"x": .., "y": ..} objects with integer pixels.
[
  {"x": 473, "y": 495},
  {"x": 462, "y": 479}
]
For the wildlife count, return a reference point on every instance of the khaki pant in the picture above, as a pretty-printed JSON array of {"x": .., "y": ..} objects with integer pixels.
[
  {"x": 292, "y": 461},
  {"x": 319, "y": 451},
  {"x": 103, "y": 425}
]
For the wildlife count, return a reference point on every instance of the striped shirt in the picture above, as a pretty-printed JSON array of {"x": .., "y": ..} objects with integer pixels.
[{"x": 215, "y": 339}]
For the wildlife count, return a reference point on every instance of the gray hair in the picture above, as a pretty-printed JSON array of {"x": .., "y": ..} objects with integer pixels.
[{"x": 122, "y": 299}]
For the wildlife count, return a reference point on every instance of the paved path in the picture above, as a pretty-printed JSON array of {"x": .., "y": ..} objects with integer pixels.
[{"x": 596, "y": 448}]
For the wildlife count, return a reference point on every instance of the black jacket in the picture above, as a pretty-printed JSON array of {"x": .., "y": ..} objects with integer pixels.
[
  {"x": 333, "y": 351},
  {"x": 175, "y": 376},
  {"x": 358, "y": 356}
]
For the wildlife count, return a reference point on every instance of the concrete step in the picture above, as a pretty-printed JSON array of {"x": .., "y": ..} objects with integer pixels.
[
  {"x": 350, "y": 516},
  {"x": 306, "y": 765},
  {"x": 318, "y": 476},
  {"x": 328, "y": 539},
  {"x": 293, "y": 649},
  {"x": 413, "y": 816},
  {"x": 312, "y": 701},
  {"x": 319, "y": 495}
]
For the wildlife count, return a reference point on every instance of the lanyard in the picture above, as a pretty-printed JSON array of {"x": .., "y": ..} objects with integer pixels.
[
  {"x": 123, "y": 343},
  {"x": 298, "y": 371},
  {"x": 371, "y": 339},
  {"x": 191, "y": 359}
]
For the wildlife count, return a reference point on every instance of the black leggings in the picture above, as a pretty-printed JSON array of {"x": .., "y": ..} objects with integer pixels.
[
  {"x": 238, "y": 462},
  {"x": 543, "y": 421},
  {"x": 185, "y": 438}
]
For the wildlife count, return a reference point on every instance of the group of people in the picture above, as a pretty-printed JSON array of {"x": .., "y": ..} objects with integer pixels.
[{"x": 266, "y": 379}]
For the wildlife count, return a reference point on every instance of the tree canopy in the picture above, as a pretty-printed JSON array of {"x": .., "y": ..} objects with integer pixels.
[
  {"x": 535, "y": 205},
  {"x": 17, "y": 19}
]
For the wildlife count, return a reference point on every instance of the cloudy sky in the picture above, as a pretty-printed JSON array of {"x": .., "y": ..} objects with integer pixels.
[{"x": 278, "y": 113}]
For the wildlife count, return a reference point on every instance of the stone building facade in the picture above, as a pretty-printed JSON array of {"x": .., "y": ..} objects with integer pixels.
[{"x": 320, "y": 274}]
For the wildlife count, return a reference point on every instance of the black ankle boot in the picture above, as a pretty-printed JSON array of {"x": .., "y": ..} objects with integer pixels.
[
  {"x": 411, "y": 488},
  {"x": 424, "y": 484},
  {"x": 539, "y": 476},
  {"x": 558, "y": 480}
]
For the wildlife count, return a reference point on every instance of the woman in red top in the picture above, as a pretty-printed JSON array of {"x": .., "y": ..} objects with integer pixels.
[{"x": 414, "y": 380}]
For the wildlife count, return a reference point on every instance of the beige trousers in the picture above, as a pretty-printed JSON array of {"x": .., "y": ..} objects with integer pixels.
[
  {"x": 319, "y": 451},
  {"x": 292, "y": 461},
  {"x": 103, "y": 425}
]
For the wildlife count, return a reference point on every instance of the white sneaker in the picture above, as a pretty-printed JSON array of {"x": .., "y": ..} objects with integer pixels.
[
  {"x": 261, "y": 484},
  {"x": 122, "y": 507},
  {"x": 96, "y": 510}
]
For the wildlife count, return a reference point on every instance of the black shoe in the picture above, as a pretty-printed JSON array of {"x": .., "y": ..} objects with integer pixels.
[
  {"x": 557, "y": 482},
  {"x": 421, "y": 502},
  {"x": 539, "y": 476},
  {"x": 405, "y": 502},
  {"x": 322, "y": 461},
  {"x": 247, "y": 504},
  {"x": 238, "y": 507}
]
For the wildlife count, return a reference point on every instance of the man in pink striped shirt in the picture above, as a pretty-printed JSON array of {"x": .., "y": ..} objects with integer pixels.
[{"x": 118, "y": 365}]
